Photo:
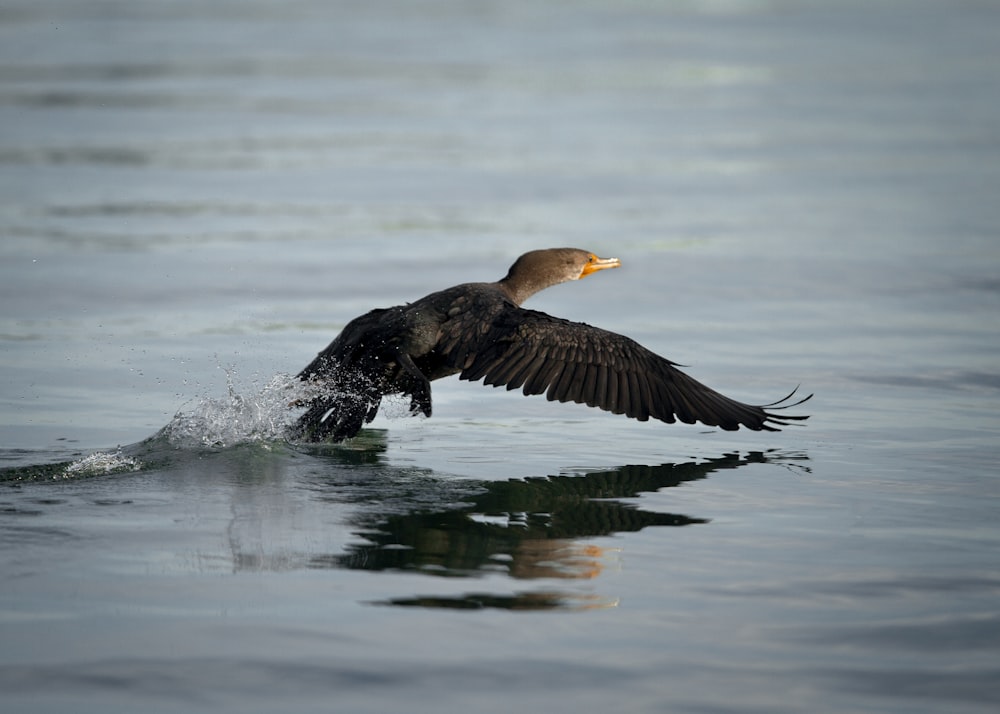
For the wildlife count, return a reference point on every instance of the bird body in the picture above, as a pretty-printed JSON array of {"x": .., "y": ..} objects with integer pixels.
[{"x": 479, "y": 331}]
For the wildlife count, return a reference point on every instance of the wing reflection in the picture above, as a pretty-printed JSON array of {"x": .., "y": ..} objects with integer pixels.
[{"x": 527, "y": 529}]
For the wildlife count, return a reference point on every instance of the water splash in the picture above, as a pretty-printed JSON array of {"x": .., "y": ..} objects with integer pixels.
[
  {"x": 262, "y": 415},
  {"x": 259, "y": 415},
  {"x": 253, "y": 415},
  {"x": 101, "y": 463}
]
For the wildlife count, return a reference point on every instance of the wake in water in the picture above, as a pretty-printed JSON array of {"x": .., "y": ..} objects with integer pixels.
[
  {"x": 100, "y": 463},
  {"x": 251, "y": 415},
  {"x": 103, "y": 462}
]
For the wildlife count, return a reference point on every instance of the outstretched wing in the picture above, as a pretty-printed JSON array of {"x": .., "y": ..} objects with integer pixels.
[{"x": 575, "y": 362}]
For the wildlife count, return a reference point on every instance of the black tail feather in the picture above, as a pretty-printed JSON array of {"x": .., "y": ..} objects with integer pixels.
[{"x": 783, "y": 419}]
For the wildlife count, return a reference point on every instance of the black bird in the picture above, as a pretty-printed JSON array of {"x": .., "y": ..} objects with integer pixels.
[{"x": 480, "y": 331}]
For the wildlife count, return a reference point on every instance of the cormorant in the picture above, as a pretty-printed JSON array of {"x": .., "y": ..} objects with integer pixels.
[{"x": 480, "y": 331}]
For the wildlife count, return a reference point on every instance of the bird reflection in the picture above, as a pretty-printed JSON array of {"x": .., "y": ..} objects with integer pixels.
[{"x": 527, "y": 529}]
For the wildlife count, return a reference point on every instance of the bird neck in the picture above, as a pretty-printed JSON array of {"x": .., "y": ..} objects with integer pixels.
[{"x": 520, "y": 288}]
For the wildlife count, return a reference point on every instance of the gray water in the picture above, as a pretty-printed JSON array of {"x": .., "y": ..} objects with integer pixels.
[{"x": 195, "y": 197}]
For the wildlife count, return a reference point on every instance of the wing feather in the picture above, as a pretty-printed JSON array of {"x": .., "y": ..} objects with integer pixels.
[
  {"x": 521, "y": 369},
  {"x": 575, "y": 362}
]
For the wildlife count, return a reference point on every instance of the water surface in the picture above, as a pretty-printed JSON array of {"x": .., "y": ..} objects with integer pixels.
[{"x": 195, "y": 198}]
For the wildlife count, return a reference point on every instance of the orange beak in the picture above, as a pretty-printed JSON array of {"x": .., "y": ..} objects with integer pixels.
[{"x": 596, "y": 264}]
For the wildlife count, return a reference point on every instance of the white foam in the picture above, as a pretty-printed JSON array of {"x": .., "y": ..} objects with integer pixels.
[{"x": 258, "y": 416}]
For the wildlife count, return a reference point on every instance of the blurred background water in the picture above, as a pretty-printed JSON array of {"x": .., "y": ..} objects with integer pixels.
[{"x": 195, "y": 197}]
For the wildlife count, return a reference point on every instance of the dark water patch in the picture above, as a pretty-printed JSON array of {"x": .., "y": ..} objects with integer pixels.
[
  {"x": 10, "y": 509},
  {"x": 520, "y": 602},
  {"x": 40, "y": 472},
  {"x": 21, "y": 536}
]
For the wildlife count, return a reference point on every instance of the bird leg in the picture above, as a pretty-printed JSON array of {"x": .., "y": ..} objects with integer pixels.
[{"x": 415, "y": 384}]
